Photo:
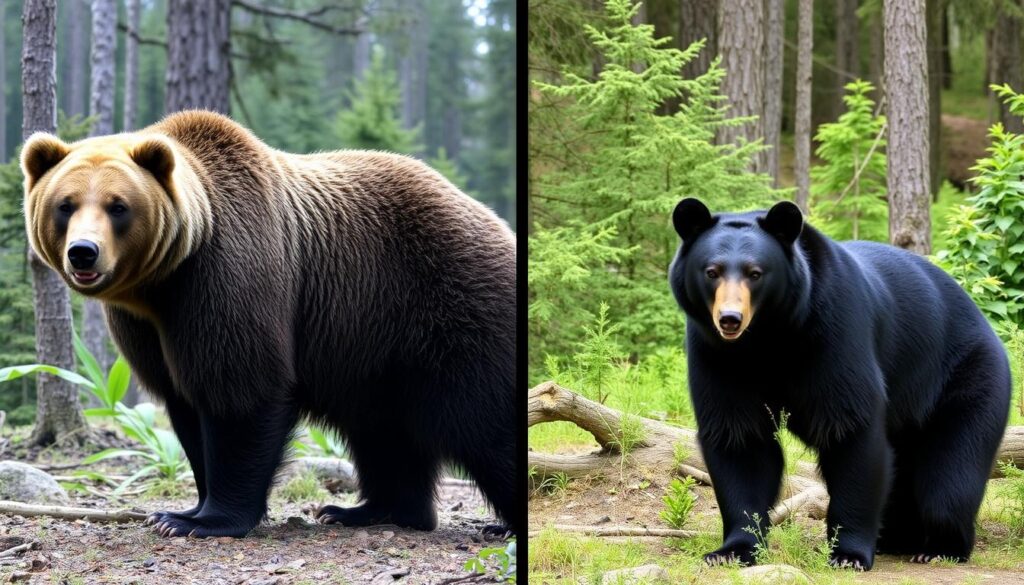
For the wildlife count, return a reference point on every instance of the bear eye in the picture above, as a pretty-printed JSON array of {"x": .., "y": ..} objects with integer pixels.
[
  {"x": 711, "y": 273},
  {"x": 65, "y": 207},
  {"x": 117, "y": 209},
  {"x": 754, "y": 275}
]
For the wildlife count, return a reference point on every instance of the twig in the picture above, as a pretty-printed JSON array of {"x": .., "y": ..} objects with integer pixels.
[
  {"x": 140, "y": 39},
  {"x": 619, "y": 531},
  {"x": 698, "y": 474},
  {"x": 69, "y": 513},
  {"x": 464, "y": 578},
  {"x": 863, "y": 165},
  {"x": 14, "y": 550},
  {"x": 305, "y": 17}
]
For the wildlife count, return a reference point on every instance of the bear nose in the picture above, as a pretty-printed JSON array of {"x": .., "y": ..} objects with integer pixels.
[
  {"x": 730, "y": 321},
  {"x": 83, "y": 254}
]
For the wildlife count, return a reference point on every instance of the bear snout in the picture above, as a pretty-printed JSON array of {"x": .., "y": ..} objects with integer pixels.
[
  {"x": 83, "y": 254},
  {"x": 730, "y": 321}
]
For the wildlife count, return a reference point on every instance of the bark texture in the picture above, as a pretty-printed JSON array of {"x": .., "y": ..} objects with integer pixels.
[
  {"x": 58, "y": 410},
  {"x": 104, "y": 40},
  {"x": 198, "y": 55},
  {"x": 906, "y": 68},
  {"x": 131, "y": 65},
  {"x": 774, "y": 59},
  {"x": 1005, "y": 63},
  {"x": 935, "y": 42},
  {"x": 699, "y": 20},
  {"x": 77, "y": 78},
  {"x": 741, "y": 45},
  {"x": 802, "y": 116}
]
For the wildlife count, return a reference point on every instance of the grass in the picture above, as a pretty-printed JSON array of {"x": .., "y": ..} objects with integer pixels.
[{"x": 303, "y": 487}]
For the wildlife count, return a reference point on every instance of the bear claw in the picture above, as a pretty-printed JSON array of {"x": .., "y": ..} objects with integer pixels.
[{"x": 842, "y": 561}]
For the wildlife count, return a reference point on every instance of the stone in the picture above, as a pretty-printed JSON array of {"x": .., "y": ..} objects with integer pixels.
[
  {"x": 774, "y": 574},
  {"x": 20, "y": 482},
  {"x": 643, "y": 574}
]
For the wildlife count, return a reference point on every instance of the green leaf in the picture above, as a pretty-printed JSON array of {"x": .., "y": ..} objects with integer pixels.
[
  {"x": 100, "y": 412},
  {"x": 117, "y": 381},
  {"x": 113, "y": 452},
  {"x": 88, "y": 361},
  {"x": 15, "y": 372}
]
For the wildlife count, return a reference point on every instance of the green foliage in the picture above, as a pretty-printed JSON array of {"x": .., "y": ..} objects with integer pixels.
[
  {"x": 595, "y": 360},
  {"x": 326, "y": 443},
  {"x": 679, "y": 502},
  {"x": 504, "y": 561},
  {"x": 108, "y": 389},
  {"x": 608, "y": 166},
  {"x": 371, "y": 121},
  {"x": 303, "y": 487},
  {"x": 848, "y": 206},
  {"x": 791, "y": 543},
  {"x": 986, "y": 239},
  {"x": 1011, "y": 490},
  {"x": 161, "y": 453}
]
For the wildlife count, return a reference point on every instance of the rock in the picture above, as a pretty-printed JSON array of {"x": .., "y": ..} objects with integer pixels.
[
  {"x": 643, "y": 574},
  {"x": 20, "y": 482},
  {"x": 772, "y": 574},
  {"x": 339, "y": 471}
]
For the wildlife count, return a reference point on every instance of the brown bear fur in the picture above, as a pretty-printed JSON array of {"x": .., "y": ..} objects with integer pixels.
[{"x": 249, "y": 287}]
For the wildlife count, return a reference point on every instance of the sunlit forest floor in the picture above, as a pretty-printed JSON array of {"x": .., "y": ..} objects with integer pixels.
[{"x": 288, "y": 548}]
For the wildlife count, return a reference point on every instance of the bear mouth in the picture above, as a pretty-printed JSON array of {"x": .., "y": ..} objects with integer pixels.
[{"x": 85, "y": 277}]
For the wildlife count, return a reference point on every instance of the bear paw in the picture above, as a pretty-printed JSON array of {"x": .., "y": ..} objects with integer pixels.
[
  {"x": 924, "y": 558},
  {"x": 743, "y": 555},
  {"x": 159, "y": 516},
  {"x": 496, "y": 531},
  {"x": 199, "y": 527},
  {"x": 367, "y": 515},
  {"x": 841, "y": 560}
]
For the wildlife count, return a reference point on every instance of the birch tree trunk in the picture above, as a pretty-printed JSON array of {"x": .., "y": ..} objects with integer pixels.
[
  {"x": 802, "y": 122},
  {"x": 906, "y": 75},
  {"x": 198, "y": 55},
  {"x": 131, "y": 65},
  {"x": 774, "y": 59},
  {"x": 699, "y": 20},
  {"x": 101, "y": 107},
  {"x": 58, "y": 410},
  {"x": 742, "y": 48}
]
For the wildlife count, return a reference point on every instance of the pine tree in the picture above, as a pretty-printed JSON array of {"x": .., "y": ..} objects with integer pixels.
[{"x": 373, "y": 120}]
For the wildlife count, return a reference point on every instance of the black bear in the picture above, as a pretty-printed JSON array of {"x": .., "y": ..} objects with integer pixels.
[
  {"x": 886, "y": 368},
  {"x": 249, "y": 288}
]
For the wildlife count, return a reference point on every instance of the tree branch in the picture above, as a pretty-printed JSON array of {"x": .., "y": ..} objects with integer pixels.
[
  {"x": 140, "y": 39},
  {"x": 69, "y": 513},
  {"x": 306, "y": 17}
]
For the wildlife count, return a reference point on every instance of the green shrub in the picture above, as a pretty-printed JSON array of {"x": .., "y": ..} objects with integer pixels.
[
  {"x": 679, "y": 502},
  {"x": 22, "y": 415}
]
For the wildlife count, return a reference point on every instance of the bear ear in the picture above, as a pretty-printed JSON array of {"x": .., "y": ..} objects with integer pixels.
[
  {"x": 156, "y": 155},
  {"x": 691, "y": 218},
  {"x": 784, "y": 221},
  {"x": 41, "y": 153}
]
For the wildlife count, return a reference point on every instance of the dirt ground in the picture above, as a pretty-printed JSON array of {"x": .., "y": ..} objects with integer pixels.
[
  {"x": 288, "y": 549},
  {"x": 632, "y": 497}
]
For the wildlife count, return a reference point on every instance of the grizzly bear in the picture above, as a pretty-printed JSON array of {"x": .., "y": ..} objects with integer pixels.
[
  {"x": 883, "y": 363},
  {"x": 249, "y": 288}
]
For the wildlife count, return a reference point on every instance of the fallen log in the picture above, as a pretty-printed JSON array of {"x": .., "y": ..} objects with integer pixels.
[
  {"x": 802, "y": 490},
  {"x": 70, "y": 513},
  {"x": 618, "y": 531}
]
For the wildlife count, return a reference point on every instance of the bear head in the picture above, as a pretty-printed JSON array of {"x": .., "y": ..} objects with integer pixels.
[
  {"x": 113, "y": 212},
  {"x": 730, "y": 268}
]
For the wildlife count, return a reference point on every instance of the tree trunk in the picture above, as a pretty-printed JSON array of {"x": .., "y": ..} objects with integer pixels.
[
  {"x": 906, "y": 74},
  {"x": 876, "y": 67},
  {"x": 3, "y": 84},
  {"x": 847, "y": 50},
  {"x": 947, "y": 57},
  {"x": 802, "y": 122},
  {"x": 1005, "y": 58},
  {"x": 58, "y": 410},
  {"x": 78, "y": 78},
  {"x": 774, "y": 59},
  {"x": 699, "y": 20},
  {"x": 131, "y": 65},
  {"x": 361, "y": 54},
  {"x": 742, "y": 48},
  {"x": 198, "y": 55},
  {"x": 101, "y": 107},
  {"x": 935, "y": 41},
  {"x": 414, "y": 67}
]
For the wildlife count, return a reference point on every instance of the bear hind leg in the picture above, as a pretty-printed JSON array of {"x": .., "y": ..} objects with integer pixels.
[
  {"x": 397, "y": 479},
  {"x": 901, "y": 532}
]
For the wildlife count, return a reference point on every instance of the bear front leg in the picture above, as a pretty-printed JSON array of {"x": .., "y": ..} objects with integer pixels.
[
  {"x": 185, "y": 422},
  {"x": 857, "y": 472},
  {"x": 746, "y": 481},
  {"x": 241, "y": 455}
]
